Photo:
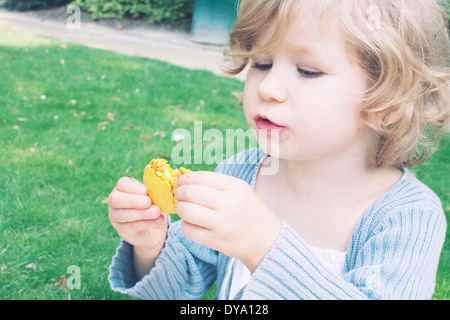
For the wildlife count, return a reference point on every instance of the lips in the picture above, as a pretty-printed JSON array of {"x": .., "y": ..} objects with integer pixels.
[{"x": 264, "y": 123}]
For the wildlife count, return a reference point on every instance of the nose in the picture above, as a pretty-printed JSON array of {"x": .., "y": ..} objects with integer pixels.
[{"x": 272, "y": 88}]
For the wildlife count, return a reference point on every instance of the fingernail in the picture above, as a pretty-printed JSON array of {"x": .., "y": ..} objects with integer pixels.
[
  {"x": 153, "y": 212},
  {"x": 143, "y": 190},
  {"x": 144, "y": 203},
  {"x": 176, "y": 181}
]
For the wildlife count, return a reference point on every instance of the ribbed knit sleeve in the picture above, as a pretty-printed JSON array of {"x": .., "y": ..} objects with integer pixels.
[
  {"x": 393, "y": 254},
  {"x": 183, "y": 270}
]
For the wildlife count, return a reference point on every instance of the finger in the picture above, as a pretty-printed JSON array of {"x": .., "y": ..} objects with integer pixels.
[
  {"x": 194, "y": 232},
  {"x": 138, "y": 226},
  {"x": 131, "y": 215},
  {"x": 199, "y": 194},
  {"x": 196, "y": 215},
  {"x": 131, "y": 186},
  {"x": 210, "y": 179},
  {"x": 122, "y": 200}
]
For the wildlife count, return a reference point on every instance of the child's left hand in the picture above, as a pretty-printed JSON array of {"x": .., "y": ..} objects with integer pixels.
[{"x": 225, "y": 214}]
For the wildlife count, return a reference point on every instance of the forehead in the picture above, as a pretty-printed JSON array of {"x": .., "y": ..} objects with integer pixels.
[{"x": 303, "y": 26}]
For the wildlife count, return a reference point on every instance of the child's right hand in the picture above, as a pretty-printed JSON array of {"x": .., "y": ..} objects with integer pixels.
[{"x": 134, "y": 217}]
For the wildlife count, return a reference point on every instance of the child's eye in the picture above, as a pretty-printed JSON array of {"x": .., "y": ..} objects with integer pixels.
[
  {"x": 308, "y": 73},
  {"x": 262, "y": 66}
]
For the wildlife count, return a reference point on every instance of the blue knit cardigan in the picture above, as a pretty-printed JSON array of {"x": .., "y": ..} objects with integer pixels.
[{"x": 393, "y": 254}]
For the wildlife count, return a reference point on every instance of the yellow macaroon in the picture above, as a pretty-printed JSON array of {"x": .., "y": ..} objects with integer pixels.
[{"x": 159, "y": 178}]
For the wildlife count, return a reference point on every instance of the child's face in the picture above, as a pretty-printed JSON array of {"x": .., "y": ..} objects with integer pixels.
[{"x": 310, "y": 92}]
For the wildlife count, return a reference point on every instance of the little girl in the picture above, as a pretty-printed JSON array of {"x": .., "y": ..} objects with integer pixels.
[{"x": 351, "y": 93}]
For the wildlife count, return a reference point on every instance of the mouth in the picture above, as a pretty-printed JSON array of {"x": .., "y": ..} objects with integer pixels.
[{"x": 264, "y": 123}]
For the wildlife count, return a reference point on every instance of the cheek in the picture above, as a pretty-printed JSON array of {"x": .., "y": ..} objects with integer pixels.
[
  {"x": 249, "y": 102},
  {"x": 250, "y": 86},
  {"x": 326, "y": 114}
]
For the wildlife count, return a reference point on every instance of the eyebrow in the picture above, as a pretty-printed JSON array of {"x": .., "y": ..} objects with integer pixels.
[
  {"x": 301, "y": 48},
  {"x": 298, "y": 48}
]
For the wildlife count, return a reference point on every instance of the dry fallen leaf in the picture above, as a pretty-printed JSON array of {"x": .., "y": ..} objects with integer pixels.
[
  {"x": 145, "y": 136},
  {"x": 74, "y": 113},
  {"x": 161, "y": 134},
  {"x": 62, "y": 281},
  {"x": 237, "y": 94},
  {"x": 115, "y": 99},
  {"x": 111, "y": 116},
  {"x": 31, "y": 266},
  {"x": 33, "y": 148},
  {"x": 102, "y": 125},
  {"x": 180, "y": 106}
]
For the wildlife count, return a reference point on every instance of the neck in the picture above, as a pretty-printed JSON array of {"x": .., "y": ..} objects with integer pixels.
[{"x": 333, "y": 178}]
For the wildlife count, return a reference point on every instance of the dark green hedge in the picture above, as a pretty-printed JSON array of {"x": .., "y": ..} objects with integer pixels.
[
  {"x": 24, "y": 5},
  {"x": 155, "y": 11}
]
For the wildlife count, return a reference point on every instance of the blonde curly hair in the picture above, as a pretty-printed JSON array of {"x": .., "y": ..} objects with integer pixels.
[{"x": 402, "y": 45}]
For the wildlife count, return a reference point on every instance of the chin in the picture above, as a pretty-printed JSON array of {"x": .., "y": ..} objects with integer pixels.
[{"x": 274, "y": 142}]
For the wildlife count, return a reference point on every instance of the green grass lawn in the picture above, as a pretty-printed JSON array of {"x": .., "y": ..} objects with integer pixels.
[{"x": 73, "y": 121}]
